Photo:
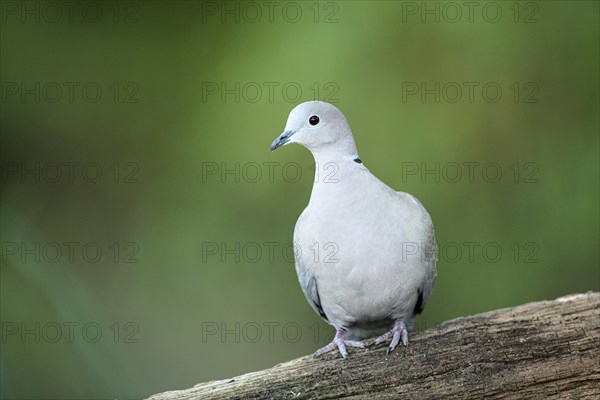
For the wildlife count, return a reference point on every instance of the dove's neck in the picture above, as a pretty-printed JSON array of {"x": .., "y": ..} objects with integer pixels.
[
  {"x": 338, "y": 174},
  {"x": 342, "y": 149}
]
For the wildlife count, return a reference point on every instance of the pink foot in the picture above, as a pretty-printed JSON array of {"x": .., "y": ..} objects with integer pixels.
[
  {"x": 339, "y": 342},
  {"x": 397, "y": 332}
]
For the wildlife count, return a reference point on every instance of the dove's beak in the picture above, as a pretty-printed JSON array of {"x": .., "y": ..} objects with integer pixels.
[{"x": 282, "y": 139}]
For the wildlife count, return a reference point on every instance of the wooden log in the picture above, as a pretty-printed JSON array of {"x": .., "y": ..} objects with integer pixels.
[{"x": 547, "y": 349}]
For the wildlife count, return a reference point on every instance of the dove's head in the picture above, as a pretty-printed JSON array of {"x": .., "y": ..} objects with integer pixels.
[{"x": 320, "y": 127}]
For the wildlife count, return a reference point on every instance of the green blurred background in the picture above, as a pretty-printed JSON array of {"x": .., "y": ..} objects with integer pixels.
[{"x": 163, "y": 130}]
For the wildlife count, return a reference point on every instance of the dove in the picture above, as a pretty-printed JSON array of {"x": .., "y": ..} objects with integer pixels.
[{"x": 365, "y": 254}]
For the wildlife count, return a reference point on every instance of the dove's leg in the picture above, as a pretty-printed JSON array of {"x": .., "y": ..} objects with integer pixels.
[
  {"x": 397, "y": 332},
  {"x": 341, "y": 343}
]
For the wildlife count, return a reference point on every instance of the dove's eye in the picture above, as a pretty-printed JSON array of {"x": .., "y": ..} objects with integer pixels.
[{"x": 313, "y": 120}]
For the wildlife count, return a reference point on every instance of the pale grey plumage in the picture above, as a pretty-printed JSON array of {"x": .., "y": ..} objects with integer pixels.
[{"x": 366, "y": 254}]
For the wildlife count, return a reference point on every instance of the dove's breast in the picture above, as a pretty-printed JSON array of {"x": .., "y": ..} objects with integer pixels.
[{"x": 364, "y": 252}]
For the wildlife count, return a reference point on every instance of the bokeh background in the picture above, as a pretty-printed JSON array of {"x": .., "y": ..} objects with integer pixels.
[{"x": 161, "y": 99}]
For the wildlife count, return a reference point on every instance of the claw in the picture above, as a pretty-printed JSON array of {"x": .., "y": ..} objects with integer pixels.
[
  {"x": 396, "y": 333},
  {"x": 339, "y": 342}
]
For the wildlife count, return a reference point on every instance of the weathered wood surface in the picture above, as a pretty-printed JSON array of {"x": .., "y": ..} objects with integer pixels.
[{"x": 548, "y": 349}]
